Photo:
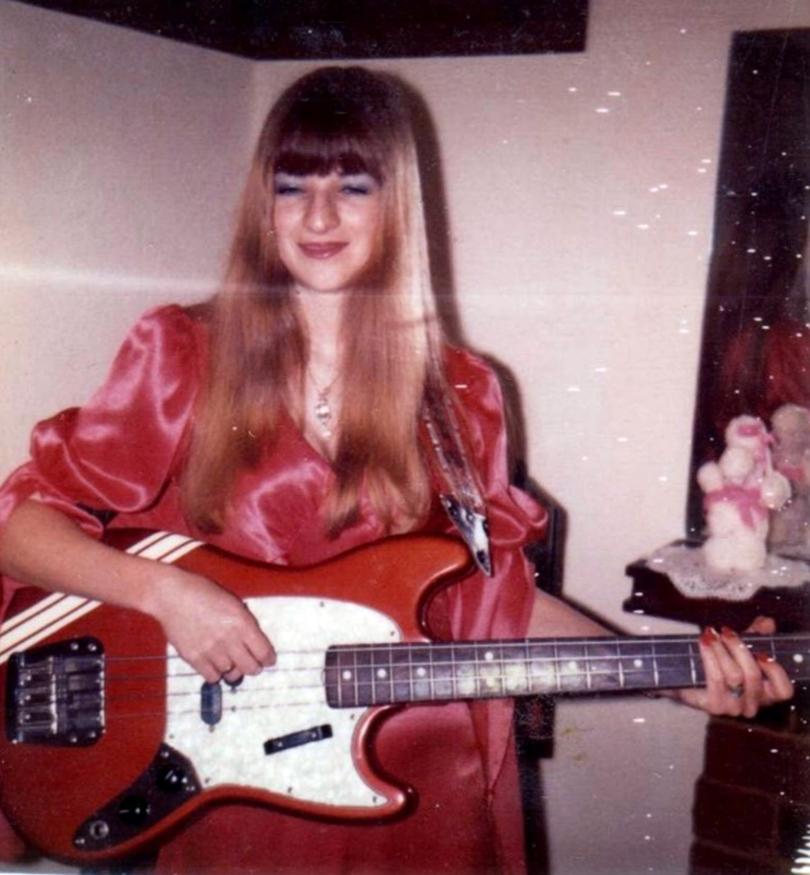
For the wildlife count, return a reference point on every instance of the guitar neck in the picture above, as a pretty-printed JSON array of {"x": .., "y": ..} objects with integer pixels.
[{"x": 370, "y": 674}]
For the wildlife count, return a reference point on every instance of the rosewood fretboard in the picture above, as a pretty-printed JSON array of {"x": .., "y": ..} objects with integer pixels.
[{"x": 371, "y": 674}]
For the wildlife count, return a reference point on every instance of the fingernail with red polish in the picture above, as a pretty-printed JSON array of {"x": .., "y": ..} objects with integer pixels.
[
  {"x": 762, "y": 657},
  {"x": 709, "y": 635},
  {"x": 727, "y": 632}
]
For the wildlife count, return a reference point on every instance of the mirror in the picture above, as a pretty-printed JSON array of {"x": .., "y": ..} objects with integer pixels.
[{"x": 756, "y": 338}]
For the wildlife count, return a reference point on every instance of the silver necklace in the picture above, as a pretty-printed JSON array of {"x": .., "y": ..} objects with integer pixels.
[{"x": 323, "y": 408}]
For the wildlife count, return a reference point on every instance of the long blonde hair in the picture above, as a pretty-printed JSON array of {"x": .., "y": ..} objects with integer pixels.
[{"x": 349, "y": 120}]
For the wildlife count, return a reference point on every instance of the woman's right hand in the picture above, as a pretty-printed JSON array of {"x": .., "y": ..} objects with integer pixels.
[{"x": 211, "y": 629}]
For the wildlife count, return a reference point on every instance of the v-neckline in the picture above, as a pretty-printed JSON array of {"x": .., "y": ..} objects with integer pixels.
[{"x": 311, "y": 450}]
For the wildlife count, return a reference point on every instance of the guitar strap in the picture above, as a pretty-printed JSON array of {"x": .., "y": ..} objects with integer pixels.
[{"x": 461, "y": 493}]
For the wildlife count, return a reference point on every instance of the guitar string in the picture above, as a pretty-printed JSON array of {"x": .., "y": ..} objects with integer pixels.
[
  {"x": 504, "y": 679},
  {"x": 491, "y": 692},
  {"x": 690, "y": 651},
  {"x": 786, "y": 643},
  {"x": 429, "y": 664},
  {"x": 233, "y": 708},
  {"x": 592, "y": 662},
  {"x": 318, "y": 701}
]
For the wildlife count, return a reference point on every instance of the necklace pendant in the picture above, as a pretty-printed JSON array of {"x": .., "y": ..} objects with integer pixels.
[{"x": 323, "y": 413}]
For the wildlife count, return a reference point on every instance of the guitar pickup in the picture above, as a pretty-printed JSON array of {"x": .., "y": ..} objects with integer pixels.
[{"x": 296, "y": 739}]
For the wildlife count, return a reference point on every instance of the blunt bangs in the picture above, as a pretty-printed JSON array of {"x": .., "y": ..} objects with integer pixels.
[
  {"x": 318, "y": 156},
  {"x": 337, "y": 119}
]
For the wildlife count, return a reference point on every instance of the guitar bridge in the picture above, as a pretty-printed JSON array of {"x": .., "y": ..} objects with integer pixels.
[{"x": 55, "y": 694}]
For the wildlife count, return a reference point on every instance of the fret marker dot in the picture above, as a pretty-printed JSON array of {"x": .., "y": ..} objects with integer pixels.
[
  {"x": 798, "y": 657},
  {"x": 381, "y": 673},
  {"x": 638, "y": 663},
  {"x": 573, "y": 665},
  {"x": 347, "y": 675},
  {"x": 420, "y": 672},
  {"x": 489, "y": 656}
]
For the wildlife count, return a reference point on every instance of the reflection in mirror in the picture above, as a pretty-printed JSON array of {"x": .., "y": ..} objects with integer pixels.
[{"x": 756, "y": 342}]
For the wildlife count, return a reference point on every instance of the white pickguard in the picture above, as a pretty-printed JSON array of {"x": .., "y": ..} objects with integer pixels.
[{"x": 287, "y": 698}]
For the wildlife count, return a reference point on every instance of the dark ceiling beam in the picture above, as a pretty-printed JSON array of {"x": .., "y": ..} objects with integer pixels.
[{"x": 321, "y": 30}]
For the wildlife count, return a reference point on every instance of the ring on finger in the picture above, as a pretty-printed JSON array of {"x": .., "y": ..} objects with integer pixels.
[{"x": 737, "y": 691}]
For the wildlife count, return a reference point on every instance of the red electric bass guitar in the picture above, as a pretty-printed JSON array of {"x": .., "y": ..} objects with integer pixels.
[{"x": 110, "y": 739}]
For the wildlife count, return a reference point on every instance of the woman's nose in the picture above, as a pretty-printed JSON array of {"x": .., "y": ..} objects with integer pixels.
[{"x": 322, "y": 214}]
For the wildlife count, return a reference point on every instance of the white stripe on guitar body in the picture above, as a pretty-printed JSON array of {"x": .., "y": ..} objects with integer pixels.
[{"x": 57, "y": 610}]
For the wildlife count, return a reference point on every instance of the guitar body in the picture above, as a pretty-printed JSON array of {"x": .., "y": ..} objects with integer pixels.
[{"x": 143, "y": 743}]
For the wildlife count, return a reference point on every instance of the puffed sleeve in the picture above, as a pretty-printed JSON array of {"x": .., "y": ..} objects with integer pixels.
[{"x": 117, "y": 452}]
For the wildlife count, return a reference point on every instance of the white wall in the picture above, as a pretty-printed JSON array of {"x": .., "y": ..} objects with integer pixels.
[
  {"x": 580, "y": 243},
  {"x": 120, "y": 159}
]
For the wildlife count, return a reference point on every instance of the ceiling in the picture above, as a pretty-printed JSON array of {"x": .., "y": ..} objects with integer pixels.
[{"x": 336, "y": 29}]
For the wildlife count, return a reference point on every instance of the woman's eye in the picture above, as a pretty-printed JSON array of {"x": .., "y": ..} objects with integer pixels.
[
  {"x": 356, "y": 189},
  {"x": 285, "y": 188}
]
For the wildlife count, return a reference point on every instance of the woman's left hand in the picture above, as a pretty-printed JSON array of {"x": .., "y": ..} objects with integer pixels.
[{"x": 739, "y": 681}]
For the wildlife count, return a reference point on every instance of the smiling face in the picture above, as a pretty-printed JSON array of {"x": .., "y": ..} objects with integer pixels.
[{"x": 327, "y": 227}]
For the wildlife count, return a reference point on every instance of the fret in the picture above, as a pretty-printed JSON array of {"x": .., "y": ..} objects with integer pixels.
[
  {"x": 493, "y": 674},
  {"x": 792, "y": 652},
  {"x": 430, "y": 667},
  {"x": 527, "y": 660},
  {"x": 347, "y": 679},
  {"x": 464, "y": 669},
  {"x": 442, "y": 671},
  {"x": 542, "y": 667},
  {"x": 515, "y": 669},
  {"x": 654, "y": 663},
  {"x": 486, "y": 670},
  {"x": 636, "y": 664},
  {"x": 673, "y": 663},
  {"x": 571, "y": 665},
  {"x": 603, "y": 665},
  {"x": 412, "y": 694},
  {"x": 401, "y": 673},
  {"x": 421, "y": 681},
  {"x": 362, "y": 676},
  {"x": 452, "y": 649},
  {"x": 380, "y": 676},
  {"x": 390, "y": 664}
]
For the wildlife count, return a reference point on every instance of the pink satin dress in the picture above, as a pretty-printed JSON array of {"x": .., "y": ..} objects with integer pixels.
[{"x": 123, "y": 451}]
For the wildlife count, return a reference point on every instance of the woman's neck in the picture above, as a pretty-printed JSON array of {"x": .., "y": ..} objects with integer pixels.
[{"x": 322, "y": 313}]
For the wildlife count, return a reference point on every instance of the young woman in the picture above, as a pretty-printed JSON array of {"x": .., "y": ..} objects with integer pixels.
[{"x": 285, "y": 421}]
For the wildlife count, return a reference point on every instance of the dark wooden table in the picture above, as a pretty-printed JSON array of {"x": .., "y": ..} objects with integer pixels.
[{"x": 751, "y": 809}]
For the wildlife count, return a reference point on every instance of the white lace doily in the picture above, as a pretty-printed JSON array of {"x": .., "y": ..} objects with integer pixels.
[{"x": 687, "y": 569}]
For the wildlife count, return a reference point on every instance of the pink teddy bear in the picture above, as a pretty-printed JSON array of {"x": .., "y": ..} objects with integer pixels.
[{"x": 741, "y": 488}]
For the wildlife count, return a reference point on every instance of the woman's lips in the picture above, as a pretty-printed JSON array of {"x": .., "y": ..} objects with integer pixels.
[{"x": 321, "y": 250}]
